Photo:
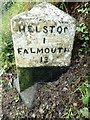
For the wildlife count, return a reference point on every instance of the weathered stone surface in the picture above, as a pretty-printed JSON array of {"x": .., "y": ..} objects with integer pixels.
[
  {"x": 28, "y": 95},
  {"x": 43, "y": 36}
]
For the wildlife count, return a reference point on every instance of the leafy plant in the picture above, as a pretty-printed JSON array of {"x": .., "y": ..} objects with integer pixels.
[
  {"x": 84, "y": 36},
  {"x": 62, "y": 6},
  {"x": 70, "y": 114},
  {"x": 85, "y": 93},
  {"x": 85, "y": 112},
  {"x": 85, "y": 9},
  {"x": 73, "y": 112},
  {"x": 83, "y": 29}
]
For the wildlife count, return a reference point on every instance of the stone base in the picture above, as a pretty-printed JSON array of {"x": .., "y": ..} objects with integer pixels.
[
  {"x": 28, "y": 80},
  {"x": 28, "y": 96},
  {"x": 29, "y": 76}
]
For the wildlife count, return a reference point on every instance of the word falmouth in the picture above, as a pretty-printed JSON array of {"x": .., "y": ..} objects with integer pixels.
[{"x": 41, "y": 50}]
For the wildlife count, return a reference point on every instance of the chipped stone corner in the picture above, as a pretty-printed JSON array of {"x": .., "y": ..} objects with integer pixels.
[
  {"x": 17, "y": 85},
  {"x": 28, "y": 95}
]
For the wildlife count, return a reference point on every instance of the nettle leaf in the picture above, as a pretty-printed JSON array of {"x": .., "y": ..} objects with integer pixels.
[
  {"x": 78, "y": 29},
  {"x": 83, "y": 89},
  {"x": 85, "y": 100},
  {"x": 84, "y": 111},
  {"x": 86, "y": 38}
]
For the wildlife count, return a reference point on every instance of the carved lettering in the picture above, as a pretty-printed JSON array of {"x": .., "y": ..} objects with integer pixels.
[
  {"x": 45, "y": 29},
  {"x": 41, "y": 50},
  {"x": 52, "y": 28},
  {"x": 59, "y": 29},
  {"x": 19, "y": 50},
  {"x": 30, "y": 28},
  {"x": 53, "y": 50},
  {"x": 46, "y": 59},
  {"x": 32, "y": 50},
  {"x": 22, "y": 28},
  {"x": 44, "y": 40},
  {"x": 47, "y": 50},
  {"x": 25, "y": 51}
]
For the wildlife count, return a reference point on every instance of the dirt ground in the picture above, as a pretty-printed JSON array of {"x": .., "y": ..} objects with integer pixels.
[{"x": 53, "y": 99}]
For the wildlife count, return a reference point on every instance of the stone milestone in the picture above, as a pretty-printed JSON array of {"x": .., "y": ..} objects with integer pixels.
[
  {"x": 43, "y": 41},
  {"x": 43, "y": 36}
]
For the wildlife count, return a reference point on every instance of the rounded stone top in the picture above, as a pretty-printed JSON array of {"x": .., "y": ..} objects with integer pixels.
[{"x": 45, "y": 12}]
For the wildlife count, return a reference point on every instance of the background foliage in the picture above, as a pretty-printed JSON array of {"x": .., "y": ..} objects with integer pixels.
[{"x": 9, "y": 9}]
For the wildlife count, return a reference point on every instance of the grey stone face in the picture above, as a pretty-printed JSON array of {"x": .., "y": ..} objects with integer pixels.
[{"x": 43, "y": 36}]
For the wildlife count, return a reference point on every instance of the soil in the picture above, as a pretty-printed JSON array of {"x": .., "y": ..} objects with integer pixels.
[{"x": 53, "y": 99}]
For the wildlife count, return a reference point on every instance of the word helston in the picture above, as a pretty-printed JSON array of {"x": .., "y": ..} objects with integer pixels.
[
  {"x": 44, "y": 29},
  {"x": 22, "y": 51}
]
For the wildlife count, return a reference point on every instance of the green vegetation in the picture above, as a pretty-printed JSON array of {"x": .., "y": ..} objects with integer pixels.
[
  {"x": 83, "y": 29},
  {"x": 84, "y": 34},
  {"x": 84, "y": 89},
  {"x": 85, "y": 92},
  {"x": 85, "y": 8},
  {"x": 6, "y": 43}
]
